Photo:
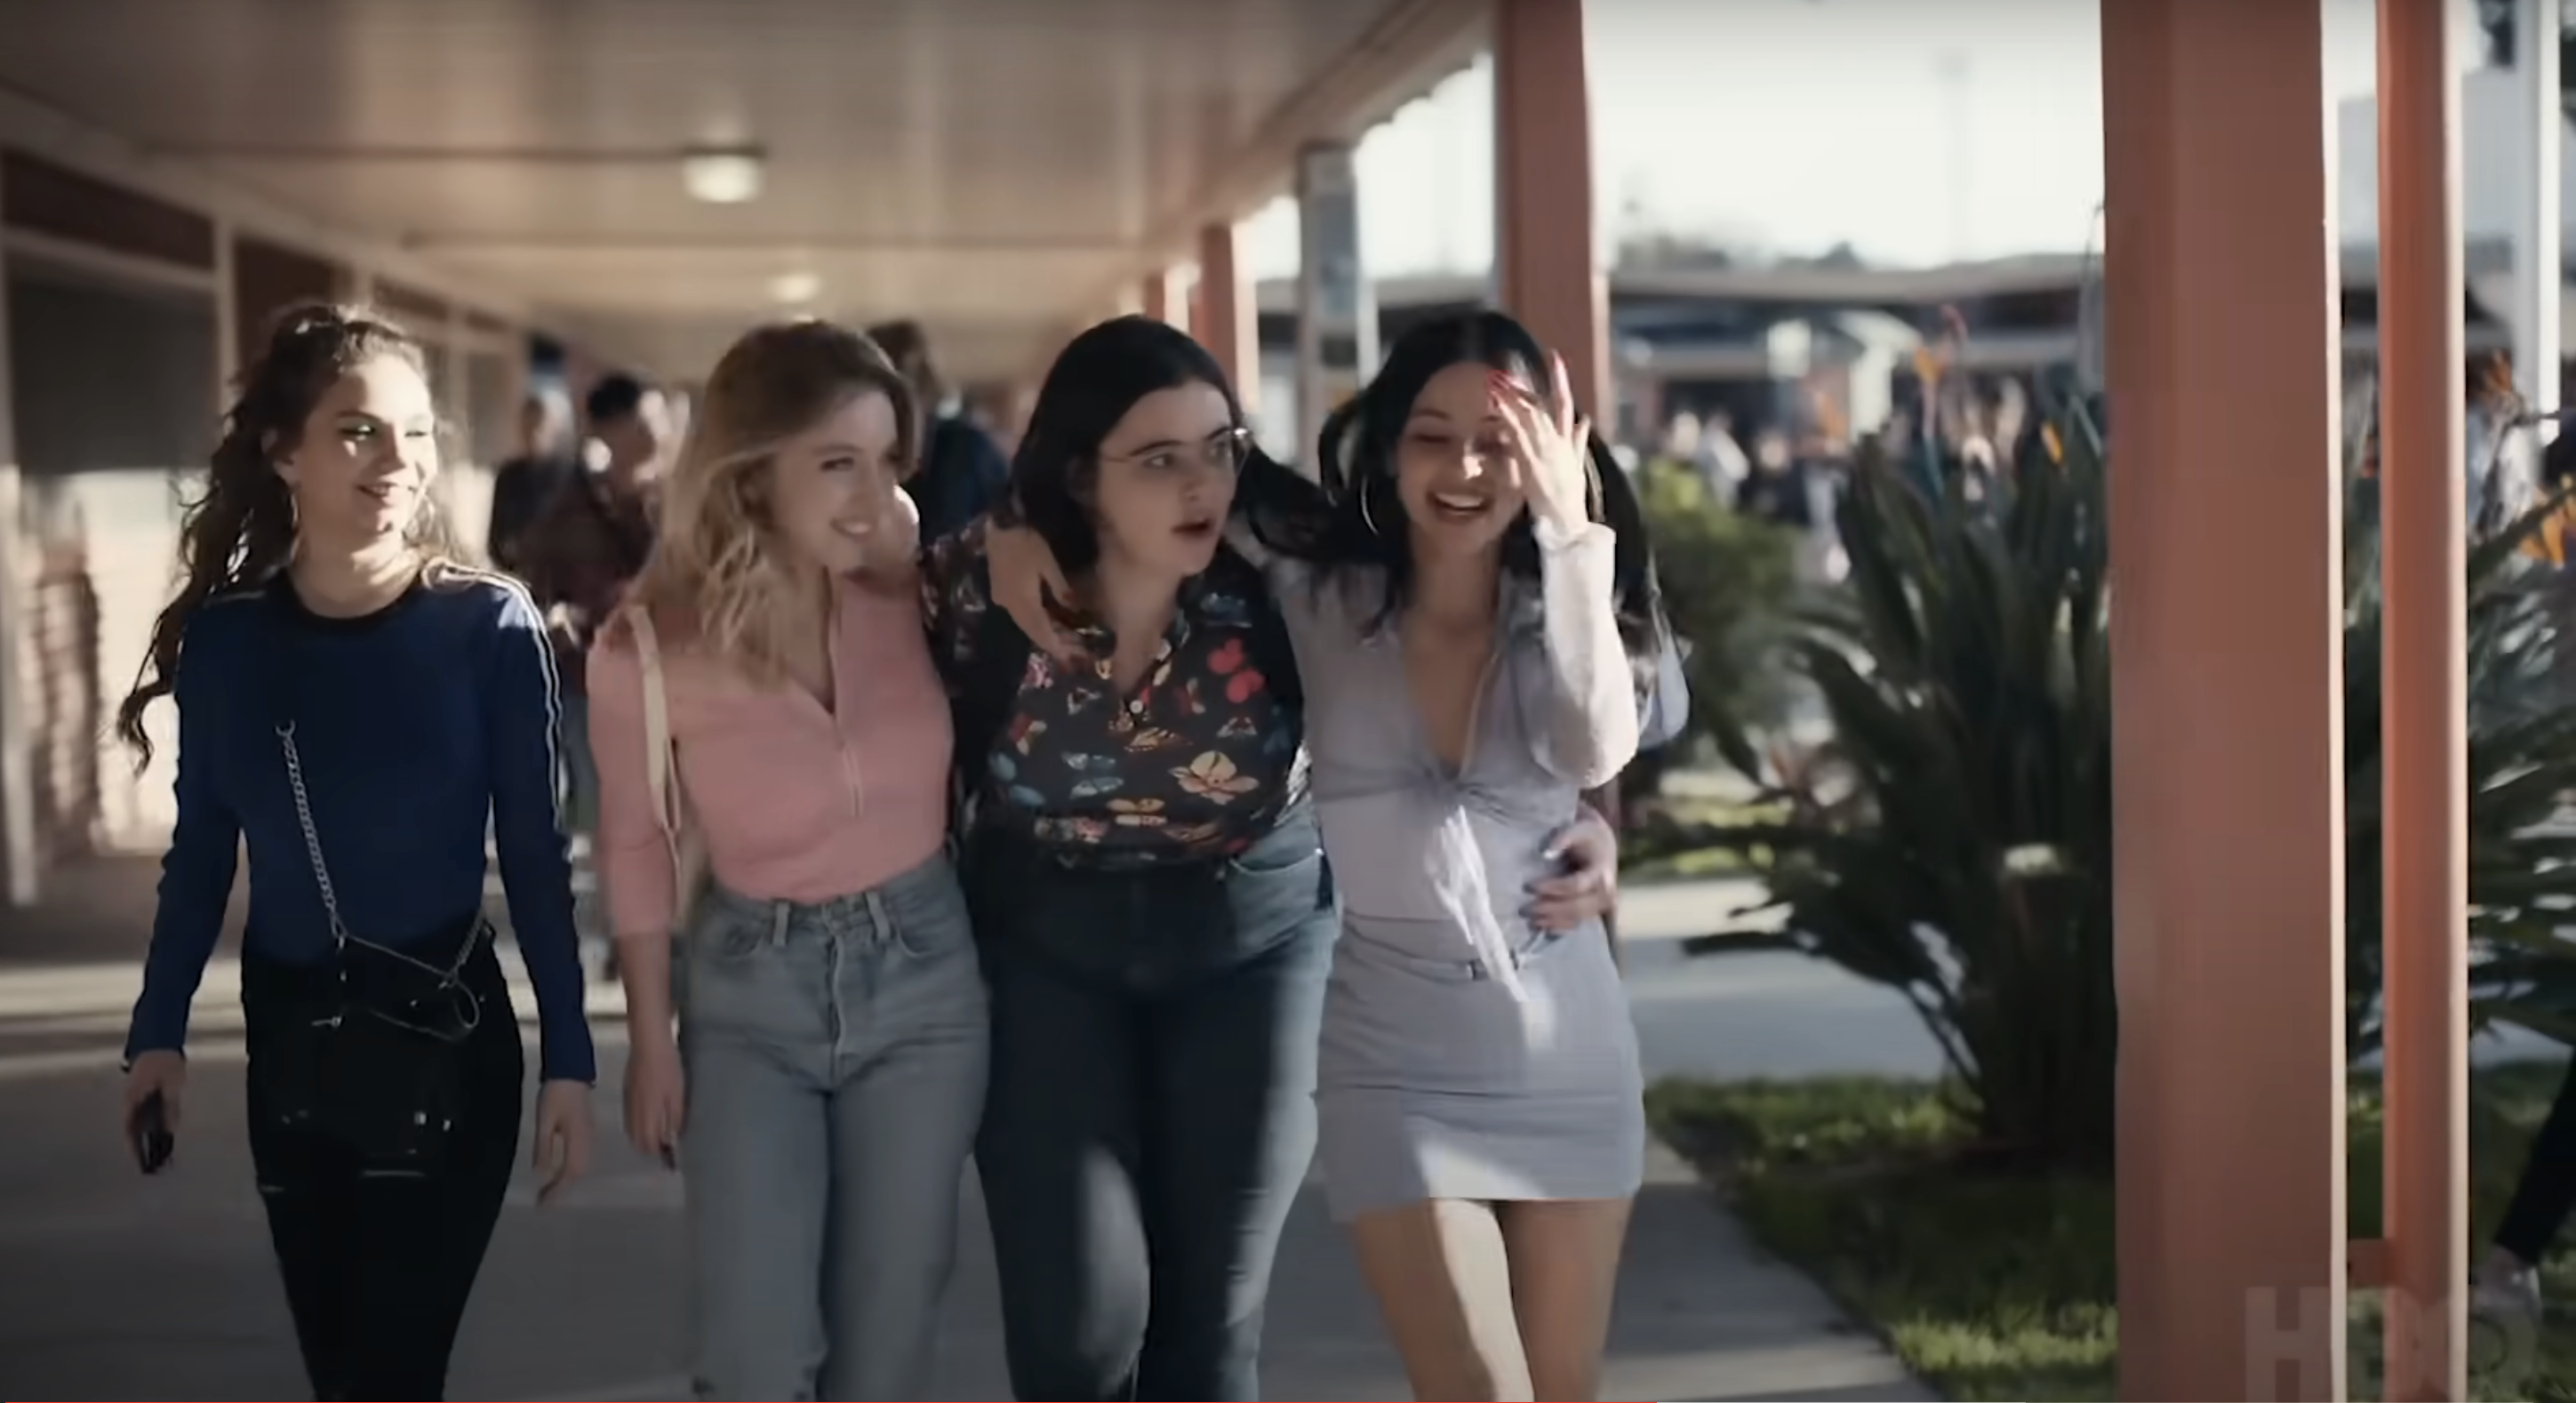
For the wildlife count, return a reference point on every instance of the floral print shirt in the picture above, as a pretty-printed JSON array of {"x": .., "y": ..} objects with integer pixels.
[{"x": 1196, "y": 761}]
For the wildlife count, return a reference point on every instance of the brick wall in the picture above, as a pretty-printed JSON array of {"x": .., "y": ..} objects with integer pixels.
[
  {"x": 114, "y": 389},
  {"x": 58, "y": 654}
]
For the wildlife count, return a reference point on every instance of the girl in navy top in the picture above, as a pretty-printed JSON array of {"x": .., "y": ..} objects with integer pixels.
[{"x": 357, "y": 712}]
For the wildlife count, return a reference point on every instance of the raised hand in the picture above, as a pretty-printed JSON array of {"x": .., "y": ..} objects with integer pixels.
[{"x": 1552, "y": 445}]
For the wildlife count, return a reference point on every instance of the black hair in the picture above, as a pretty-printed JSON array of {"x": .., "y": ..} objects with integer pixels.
[
  {"x": 615, "y": 397},
  {"x": 1355, "y": 457},
  {"x": 908, "y": 346},
  {"x": 1098, "y": 377},
  {"x": 2558, "y": 463}
]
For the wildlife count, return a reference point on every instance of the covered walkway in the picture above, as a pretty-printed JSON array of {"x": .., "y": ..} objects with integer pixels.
[
  {"x": 550, "y": 192},
  {"x": 556, "y": 188}
]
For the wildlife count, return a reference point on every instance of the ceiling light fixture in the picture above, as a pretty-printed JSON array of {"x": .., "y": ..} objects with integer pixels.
[
  {"x": 795, "y": 289},
  {"x": 723, "y": 175}
]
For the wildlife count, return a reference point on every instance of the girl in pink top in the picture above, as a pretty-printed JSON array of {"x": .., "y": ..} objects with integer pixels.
[{"x": 827, "y": 1073}]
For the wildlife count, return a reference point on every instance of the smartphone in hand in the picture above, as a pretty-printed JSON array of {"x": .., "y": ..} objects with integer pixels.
[{"x": 152, "y": 1139}]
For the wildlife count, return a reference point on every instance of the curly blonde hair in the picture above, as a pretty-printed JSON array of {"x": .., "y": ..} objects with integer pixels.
[{"x": 716, "y": 566}]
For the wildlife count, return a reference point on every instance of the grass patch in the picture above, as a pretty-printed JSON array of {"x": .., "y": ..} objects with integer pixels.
[
  {"x": 1684, "y": 865},
  {"x": 1999, "y": 1285},
  {"x": 1678, "y": 839}
]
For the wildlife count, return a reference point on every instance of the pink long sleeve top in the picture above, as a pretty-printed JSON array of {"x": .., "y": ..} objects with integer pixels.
[{"x": 794, "y": 801}]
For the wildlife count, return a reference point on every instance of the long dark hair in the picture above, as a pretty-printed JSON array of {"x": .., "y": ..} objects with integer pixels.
[
  {"x": 241, "y": 531},
  {"x": 1355, "y": 456},
  {"x": 1097, "y": 378}
]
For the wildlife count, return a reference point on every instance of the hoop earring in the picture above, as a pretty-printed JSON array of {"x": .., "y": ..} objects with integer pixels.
[{"x": 1365, "y": 518}]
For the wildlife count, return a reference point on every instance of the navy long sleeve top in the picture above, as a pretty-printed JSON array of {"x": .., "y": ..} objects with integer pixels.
[{"x": 416, "y": 724}]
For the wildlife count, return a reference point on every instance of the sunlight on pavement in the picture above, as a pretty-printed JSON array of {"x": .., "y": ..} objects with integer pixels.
[{"x": 63, "y": 1020}]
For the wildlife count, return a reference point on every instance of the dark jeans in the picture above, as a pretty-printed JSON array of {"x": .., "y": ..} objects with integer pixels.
[
  {"x": 378, "y": 1260},
  {"x": 1150, "y": 1112},
  {"x": 2547, "y": 1189}
]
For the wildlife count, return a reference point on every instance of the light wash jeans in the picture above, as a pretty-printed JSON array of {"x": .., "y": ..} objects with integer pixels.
[{"x": 836, "y": 1057}]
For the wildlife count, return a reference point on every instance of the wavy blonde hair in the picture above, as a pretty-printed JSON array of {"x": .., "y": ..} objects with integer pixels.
[{"x": 717, "y": 565}]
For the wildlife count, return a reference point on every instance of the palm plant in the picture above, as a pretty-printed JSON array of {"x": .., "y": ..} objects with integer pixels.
[
  {"x": 1952, "y": 839},
  {"x": 2522, "y": 767}
]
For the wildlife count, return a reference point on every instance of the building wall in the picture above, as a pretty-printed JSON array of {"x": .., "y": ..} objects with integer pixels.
[
  {"x": 118, "y": 305},
  {"x": 114, "y": 390}
]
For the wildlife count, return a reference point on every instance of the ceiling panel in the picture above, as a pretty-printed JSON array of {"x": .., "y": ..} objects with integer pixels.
[
  {"x": 691, "y": 344},
  {"x": 869, "y": 285},
  {"x": 964, "y": 160}
]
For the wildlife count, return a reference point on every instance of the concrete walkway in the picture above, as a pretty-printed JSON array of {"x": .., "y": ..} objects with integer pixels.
[{"x": 116, "y": 1287}]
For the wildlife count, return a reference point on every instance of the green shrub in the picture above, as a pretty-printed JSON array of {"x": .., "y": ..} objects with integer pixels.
[
  {"x": 1727, "y": 582},
  {"x": 1952, "y": 838}
]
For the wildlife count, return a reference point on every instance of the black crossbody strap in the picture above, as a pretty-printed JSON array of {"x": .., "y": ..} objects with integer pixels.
[{"x": 282, "y": 672}]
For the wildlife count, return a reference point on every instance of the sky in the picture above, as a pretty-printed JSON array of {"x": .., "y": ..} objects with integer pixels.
[{"x": 1918, "y": 131}]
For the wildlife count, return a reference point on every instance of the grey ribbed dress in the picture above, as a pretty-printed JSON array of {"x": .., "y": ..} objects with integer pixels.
[{"x": 1466, "y": 1054}]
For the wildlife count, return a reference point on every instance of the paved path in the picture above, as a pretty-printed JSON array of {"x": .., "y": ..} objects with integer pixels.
[{"x": 116, "y": 1287}]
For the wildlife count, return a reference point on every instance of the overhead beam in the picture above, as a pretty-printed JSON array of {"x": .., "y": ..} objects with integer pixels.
[
  {"x": 1414, "y": 45},
  {"x": 327, "y": 153},
  {"x": 1000, "y": 245},
  {"x": 45, "y": 130}
]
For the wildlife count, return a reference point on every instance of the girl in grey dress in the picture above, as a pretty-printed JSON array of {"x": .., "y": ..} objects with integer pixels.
[{"x": 1472, "y": 646}]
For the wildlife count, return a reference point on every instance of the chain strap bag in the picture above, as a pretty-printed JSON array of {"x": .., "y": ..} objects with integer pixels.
[{"x": 371, "y": 1053}]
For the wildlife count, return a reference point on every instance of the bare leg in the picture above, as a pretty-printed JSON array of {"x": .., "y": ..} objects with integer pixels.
[
  {"x": 1564, "y": 1261},
  {"x": 1438, "y": 1271}
]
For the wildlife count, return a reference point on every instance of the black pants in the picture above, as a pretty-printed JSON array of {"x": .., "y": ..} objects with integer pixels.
[
  {"x": 378, "y": 1260},
  {"x": 1150, "y": 1110},
  {"x": 2547, "y": 1189}
]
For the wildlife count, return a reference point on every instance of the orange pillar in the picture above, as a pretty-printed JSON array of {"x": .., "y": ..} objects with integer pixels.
[
  {"x": 1549, "y": 274},
  {"x": 2221, "y": 318},
  {"x": 1167, "y": 298},
  {"x": 2424, "y": 704},
  {"x": 1226, "y": 320}
]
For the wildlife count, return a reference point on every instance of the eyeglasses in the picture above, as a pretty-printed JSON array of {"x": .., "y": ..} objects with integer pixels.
[{"x": 1226, "y": 451}]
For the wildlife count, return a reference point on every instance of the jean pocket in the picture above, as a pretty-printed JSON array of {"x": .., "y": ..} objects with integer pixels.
[
  {"x": 1295, "y": 843},
  {"x": 732, "y": 981},
  {"x": 1276, "y": 901},
  {"x": 727, "y": 931},
  {"x": 929, "y": 918}
]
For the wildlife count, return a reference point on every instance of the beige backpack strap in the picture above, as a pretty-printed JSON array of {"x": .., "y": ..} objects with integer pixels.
[{"x": 659, "y": 776}]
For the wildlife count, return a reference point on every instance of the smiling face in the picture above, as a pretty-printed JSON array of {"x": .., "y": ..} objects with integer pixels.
[
  {"x": 831, "y": 486},
  {"x": 1455, "y": 473},
  {"x": 361, "y": 467},
  {"x": 1166, "y": 479}
]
